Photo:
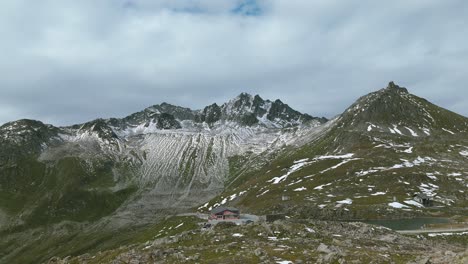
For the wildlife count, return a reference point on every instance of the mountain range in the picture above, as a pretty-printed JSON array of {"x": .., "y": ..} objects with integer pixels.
[{"x": 77, "y": 186}]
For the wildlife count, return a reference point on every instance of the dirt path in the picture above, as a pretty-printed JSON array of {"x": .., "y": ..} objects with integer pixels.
[{"x": 435, "y": 230}]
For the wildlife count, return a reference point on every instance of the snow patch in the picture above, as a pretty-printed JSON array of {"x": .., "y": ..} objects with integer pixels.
[
  {"x": 414, "y": 134},
  {"x": 232, "y": 197},
  {"x": 300, "y": 189},
  {"x": 412, "y": 202},
  {"x": 410, "y": 150},
  {"x": 339, "y": 164},
  {"x": 345, "y": 201},
  {"x": 295, "y": 182},
  {"x": 304, "y": 162},
  {"x": 448, "y": 131},
  {"x": 395, "y": 128},
  {"x": 284, "y": 262},
  {"x": 369, "y": 128},
  {"x": 203, "y": 206},
  {"x": 409, "y": 164},
  {"x": 223, "y": 201},
  {"x": 431, "y": 176},
  {"x": 363, "y": 173},
  {"x": 397, "y": 205},
  {"x": 426, "y": 131},
  {"x": 263, "y": 193},
  {"x": 428, "y": 189},
  {"x": 291, "y": 170},
  {"x": 344, "y": 156},
  {"x": 320, "y": 187}
]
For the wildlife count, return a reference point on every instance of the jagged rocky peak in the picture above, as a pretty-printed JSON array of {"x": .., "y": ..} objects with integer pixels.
[
  {"x": 393, "y": 87},
  {"x": 30, "y": 135},
  {"x": 238, "y": 105},
  {"x": 243, "y": 110},
  {"x": 100, "y": 127},
  {"x": 244, "y": 98},
  {"x": 27, "y": 127},
  {"x": 252, "y": 110},
  {"x": 163, "y": 116},
  {"x": 22, "y": 124},
  {"x": 180, "y": 113},
  {"x": 166, "y": 121},
  {"x": 210, "y": 114}
]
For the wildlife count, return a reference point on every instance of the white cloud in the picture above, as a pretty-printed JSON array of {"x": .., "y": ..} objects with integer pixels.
[{"x": 70, "y": 61}]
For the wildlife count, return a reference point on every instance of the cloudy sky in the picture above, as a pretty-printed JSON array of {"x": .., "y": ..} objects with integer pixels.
[{"x": 68, "y": 61}]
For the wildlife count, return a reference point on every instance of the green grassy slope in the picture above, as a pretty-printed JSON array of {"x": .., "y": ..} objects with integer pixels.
[{"x": 383, "y": 166}]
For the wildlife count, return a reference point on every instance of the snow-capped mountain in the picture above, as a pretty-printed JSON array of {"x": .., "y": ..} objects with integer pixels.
[
  {"x": 243, "y": 111},
  {"x": 168, "y": 155}
]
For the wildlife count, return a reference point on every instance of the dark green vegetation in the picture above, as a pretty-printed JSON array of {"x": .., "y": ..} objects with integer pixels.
[
  {"x": 70, "y": 238},
  {"x": 37, "y": 194},
  {"x": 72, "y": 192}
]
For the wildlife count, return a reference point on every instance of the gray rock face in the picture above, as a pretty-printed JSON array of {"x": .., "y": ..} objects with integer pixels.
[
  {"x": 258, "y": 252},
  {"x": 252, "y": 110},
  {"x": 393, "y": 87},
  {"x": 210, "y": 114},
  {"x": 323, "y": 248}
]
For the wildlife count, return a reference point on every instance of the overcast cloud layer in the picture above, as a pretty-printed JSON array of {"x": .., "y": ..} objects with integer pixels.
[{"x": 66, "y": 62}]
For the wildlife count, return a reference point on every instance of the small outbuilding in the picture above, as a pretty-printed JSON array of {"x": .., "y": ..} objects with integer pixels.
[
  {"x": 224, "y": 213},
  {"x": 423, "y": 199}
]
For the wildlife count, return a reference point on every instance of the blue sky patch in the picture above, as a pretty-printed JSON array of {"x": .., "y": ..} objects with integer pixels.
[{"x": 247, "y": 8}]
